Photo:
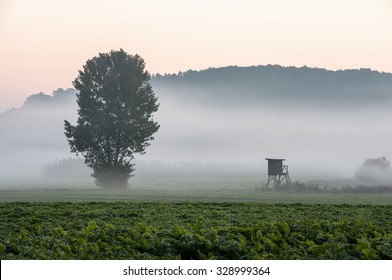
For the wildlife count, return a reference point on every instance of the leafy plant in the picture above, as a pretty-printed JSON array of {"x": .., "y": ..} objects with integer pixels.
[{"x": 194, "y": 231}]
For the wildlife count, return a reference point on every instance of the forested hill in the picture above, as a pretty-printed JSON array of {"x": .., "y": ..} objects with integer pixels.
[
  {"x": 277, "y": 84},
  {"x": 258, "y": 85}
]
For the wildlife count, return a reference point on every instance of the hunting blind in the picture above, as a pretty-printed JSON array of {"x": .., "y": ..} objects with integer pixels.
[{"x": 277, "y": 172}]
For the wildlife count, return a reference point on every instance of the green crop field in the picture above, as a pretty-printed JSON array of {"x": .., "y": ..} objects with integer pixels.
[
  {"x": 177, "y": 219},
  {"x": 211, "y": 224}
]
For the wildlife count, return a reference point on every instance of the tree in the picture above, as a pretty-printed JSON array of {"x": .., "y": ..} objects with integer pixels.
[
  {"x": 377, "y": 170},
  {"x": 116, "y": 104}
]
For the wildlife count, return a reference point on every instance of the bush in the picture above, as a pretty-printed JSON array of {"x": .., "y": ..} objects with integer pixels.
[{"x": 374, "y": 171}]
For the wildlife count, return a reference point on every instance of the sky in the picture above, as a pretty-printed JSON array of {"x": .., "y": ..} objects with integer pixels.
[{"x": 43, "y": 43}]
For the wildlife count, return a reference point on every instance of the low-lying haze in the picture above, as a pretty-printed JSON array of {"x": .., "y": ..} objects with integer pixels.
[{"x": 227, "y": 120}]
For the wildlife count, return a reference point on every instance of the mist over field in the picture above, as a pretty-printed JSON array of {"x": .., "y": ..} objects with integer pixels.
[{"x": 223, "y": 122}]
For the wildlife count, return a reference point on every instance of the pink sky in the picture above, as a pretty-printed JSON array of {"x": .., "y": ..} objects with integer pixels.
[{"x": 43, "y": 43}]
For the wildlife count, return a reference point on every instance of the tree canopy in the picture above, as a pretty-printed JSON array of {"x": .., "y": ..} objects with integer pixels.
[
  {"x": 116, "y": 104},
  {"x": 374, "y": 170}
]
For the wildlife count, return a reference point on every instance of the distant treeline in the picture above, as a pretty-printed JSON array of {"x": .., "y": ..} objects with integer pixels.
[
  {"x": 274, "y": 83},
  {"x": 257, "y": 85},
  {"x": 75, "y": 168},
  {"x": 59, "y": 98},
  {"x": 70, "y": 168}
]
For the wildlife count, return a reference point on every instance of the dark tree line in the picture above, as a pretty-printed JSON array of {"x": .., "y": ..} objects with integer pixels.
[{"x": 257, "y": 85}]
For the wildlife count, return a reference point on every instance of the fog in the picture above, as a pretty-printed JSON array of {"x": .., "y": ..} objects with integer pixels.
[
  {"x": 32, "y": 135},
  {"x": 314, "y": 142},
  {"x": 224, "y": 130}
]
